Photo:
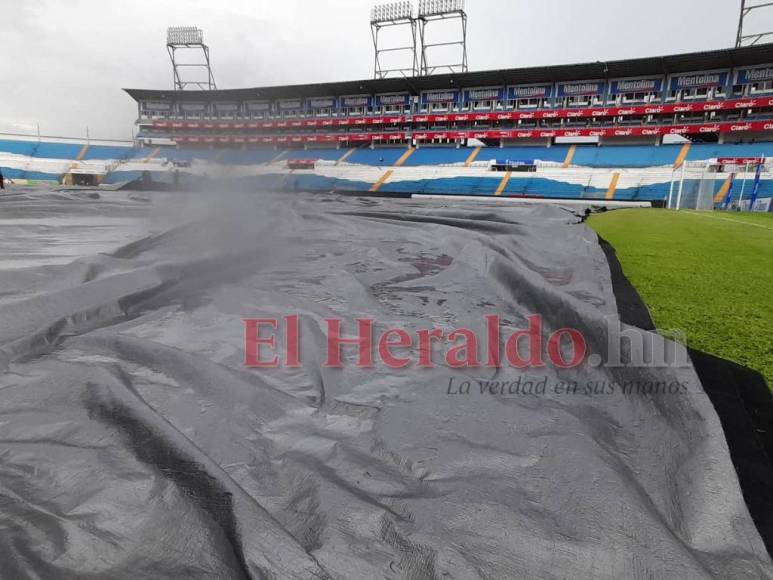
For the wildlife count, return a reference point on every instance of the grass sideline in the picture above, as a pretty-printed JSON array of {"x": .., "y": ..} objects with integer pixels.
[{"x": 707, "y": 273}]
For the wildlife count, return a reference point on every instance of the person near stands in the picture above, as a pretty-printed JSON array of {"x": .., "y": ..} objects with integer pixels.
[{"x": 2, "y": 180}]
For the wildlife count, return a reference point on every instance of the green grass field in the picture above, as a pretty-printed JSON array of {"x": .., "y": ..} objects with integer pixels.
[{"x": 709, "y": 274}]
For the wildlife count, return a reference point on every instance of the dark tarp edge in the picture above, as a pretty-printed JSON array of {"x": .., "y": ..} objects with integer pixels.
[{"x": 740, "y": 396}]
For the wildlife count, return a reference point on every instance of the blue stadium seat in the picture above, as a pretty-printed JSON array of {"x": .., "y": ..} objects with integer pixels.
[
  {"x": 104, "y": 152},
  {"x": 541, "y": 186},
  {"x": 703, "y": 151},
  {"x": 58, "y": 150},
  {"x": 18, "y": 147},
  {"x": 378, "y": 157},
  {"x": 625, "y": 155},
  {"x": 438, "y": 156},
  {"x": 445, "y": 186}
]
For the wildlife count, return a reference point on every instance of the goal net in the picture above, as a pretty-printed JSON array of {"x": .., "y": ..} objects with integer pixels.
[{"x": 694, "y": 187}]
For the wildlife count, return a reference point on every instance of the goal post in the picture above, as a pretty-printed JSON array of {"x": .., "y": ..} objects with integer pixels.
[
  {"x": 706, "y": 189},
  {"x": 693, "y": 186}
]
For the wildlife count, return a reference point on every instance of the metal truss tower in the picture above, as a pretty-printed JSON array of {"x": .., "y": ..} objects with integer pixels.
[
  {"x": 394, "y": 16},
  {"x": 191, "y": 40},
  {"x": 434, "y": 11},
  {"x": 752, "y": 38}
]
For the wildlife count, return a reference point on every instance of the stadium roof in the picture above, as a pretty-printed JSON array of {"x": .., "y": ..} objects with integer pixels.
[{"x": 660, "y": 65}]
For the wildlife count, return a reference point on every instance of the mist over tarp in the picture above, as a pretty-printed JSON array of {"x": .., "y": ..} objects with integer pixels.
[{"x": 134, "y": 443}]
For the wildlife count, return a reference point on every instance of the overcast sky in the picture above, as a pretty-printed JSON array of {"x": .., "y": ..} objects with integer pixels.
[{"x": 63, "y": 63}]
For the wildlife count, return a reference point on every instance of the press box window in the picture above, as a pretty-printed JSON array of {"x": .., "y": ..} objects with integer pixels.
[
  {"x": 637, "y": 97},
  {"x": 528, "y": 103},
  {"x": 763, "y": 87}
]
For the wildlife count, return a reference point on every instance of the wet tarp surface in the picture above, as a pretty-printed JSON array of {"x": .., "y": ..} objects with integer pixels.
[{"x": 135, "y": 444}]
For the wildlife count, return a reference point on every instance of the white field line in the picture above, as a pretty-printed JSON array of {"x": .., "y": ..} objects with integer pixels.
[{"x": 716, "y": 217}]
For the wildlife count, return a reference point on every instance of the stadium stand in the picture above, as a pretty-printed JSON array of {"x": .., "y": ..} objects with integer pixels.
[
  {"x": 18, "y": 147},
  {"x": 102, "y": 152},
  {"x": 45, "y": 150},
  {"x": 438, "y": 156},
  {"x": 703, "y": 151},
  {"x": 434, "y": 135},
  {"x": 711, "y": 97},
  {"x": 379, "y": 157},
  {"x": 626, "y": 156},
  {"x": 560, "y": 171}
]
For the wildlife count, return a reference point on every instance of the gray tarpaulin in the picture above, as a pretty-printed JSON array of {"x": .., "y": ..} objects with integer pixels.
[{"x": 135, "y": 444}]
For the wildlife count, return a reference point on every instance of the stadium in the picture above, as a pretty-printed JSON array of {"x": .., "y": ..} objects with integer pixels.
[
  {"x": 437, "y": 323},
  {"x": 589, "y": 131}
]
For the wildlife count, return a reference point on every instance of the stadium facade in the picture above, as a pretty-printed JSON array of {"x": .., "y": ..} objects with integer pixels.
[
  {"x": 648, "y": 129},
  {"x": 706, "y": 97}
]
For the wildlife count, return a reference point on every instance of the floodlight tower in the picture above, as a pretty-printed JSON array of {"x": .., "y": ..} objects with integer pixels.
[
  {"x": 190, "y": 39},
  {"x": 442, "y": 10},
  {"x": 394, "y": 15},
  {"x": 753, "y": 38}
]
